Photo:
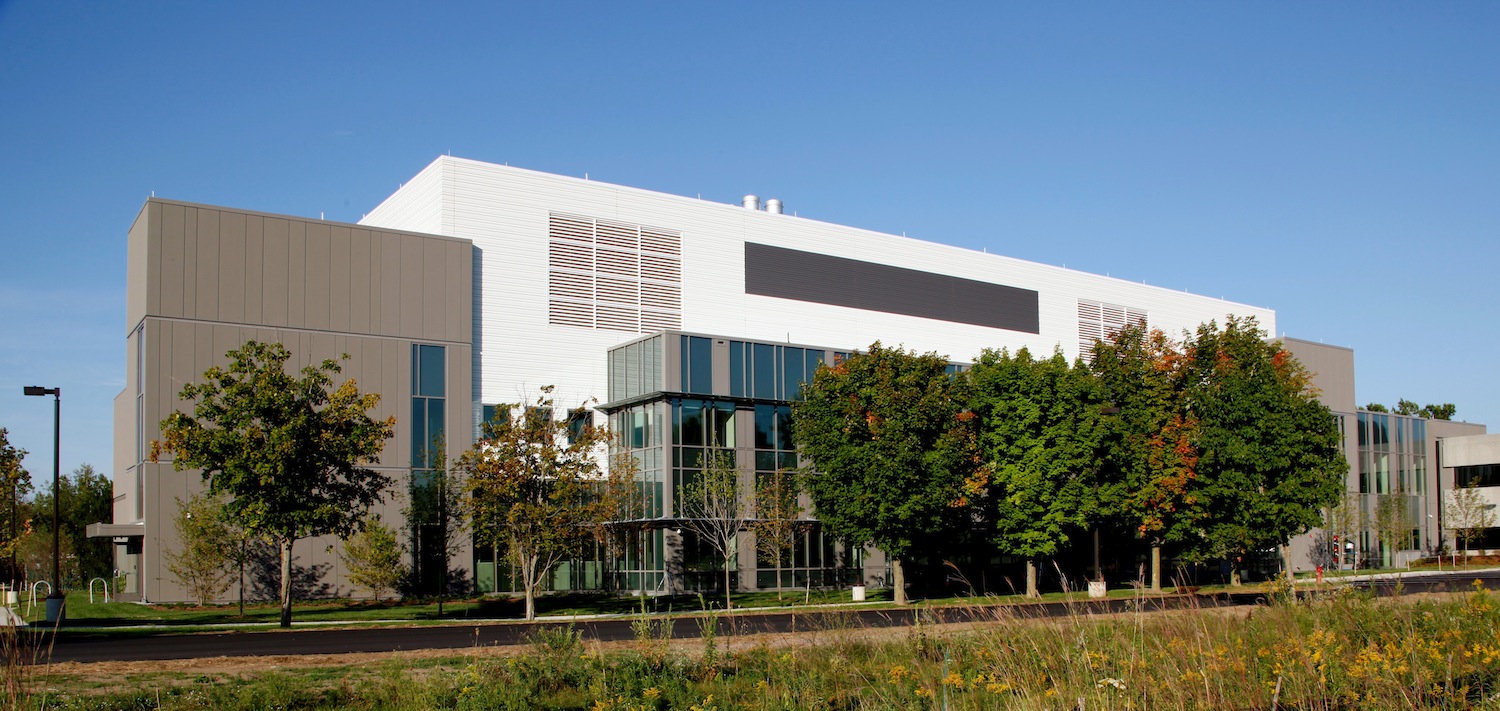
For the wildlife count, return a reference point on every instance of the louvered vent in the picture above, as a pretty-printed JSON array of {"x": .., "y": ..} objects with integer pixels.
[
  {"x": 1099, "y": 321},
  {"x": 613, "y": 275}
]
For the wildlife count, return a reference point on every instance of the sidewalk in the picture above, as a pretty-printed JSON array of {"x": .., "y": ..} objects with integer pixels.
[{"x": 1396, "y": 574}]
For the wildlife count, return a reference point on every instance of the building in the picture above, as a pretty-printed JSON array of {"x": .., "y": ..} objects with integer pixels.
[
  {"x": 1472, "y": 461},
  {"x": 647, "y": 303},
  {"x": 203, "y": 280},
  {"x": 1396, "y": 459}
]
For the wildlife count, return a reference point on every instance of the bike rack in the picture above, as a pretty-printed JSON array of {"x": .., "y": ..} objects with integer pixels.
[
  {"x": 32, "y": 603},
  {"x": 103, "y": 584}
]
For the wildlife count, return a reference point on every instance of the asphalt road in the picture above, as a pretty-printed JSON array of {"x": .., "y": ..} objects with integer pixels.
[{"x": 76, "y": 647}]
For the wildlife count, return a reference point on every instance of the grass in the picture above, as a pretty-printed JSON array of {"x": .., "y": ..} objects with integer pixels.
[
  {"x": 1346, "y": 651},
  {"x": 82, "y": 613}
]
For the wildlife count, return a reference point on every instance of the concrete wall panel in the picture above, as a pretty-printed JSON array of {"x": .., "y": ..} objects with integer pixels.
[{"x": 1472, "y": 450}]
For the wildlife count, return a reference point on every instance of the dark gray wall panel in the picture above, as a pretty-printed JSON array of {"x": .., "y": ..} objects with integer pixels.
[{"x": 819, "y": 278}]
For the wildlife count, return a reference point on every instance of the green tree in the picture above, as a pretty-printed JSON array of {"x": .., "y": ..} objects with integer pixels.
[
  {"x": 530, "y": 489},
  {"x": 207, "y": 540},
  {"x": 1377, "y": 407},
  {"x": 1269, "y": 451},
  {"x": 373, "y": 557},
  {"x": 1393, "y": 525},
  {"x": 1444, "y": 411},
  {"x": 1468, "y": 513},
  {"x": 1406, "y": 407},
  {"x": 1344, "y": 521},
  {"x": 15, "y": 483},
  {"x": 778, "y": 519},
  {"x": 288, "y": 452},
  {"x": 87, "y": 497},
  {"x": 712, "y": 508},
  {"x": 1150, "y": 459},
  {"x": 892, "y": 450},
  {"x": 1039, "y": 437}
]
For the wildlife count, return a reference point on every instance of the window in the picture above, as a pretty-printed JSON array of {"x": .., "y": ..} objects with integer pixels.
[
  {"x": 428, "y": 387},
  {"x": 639, "y": 428},
  {"x": 537, "y": 415},
  {"x": 493, "y": 415},
  {"x": 140, "y": 422},
  {"x": 697, "y": 365},
  {"x": 1478, "y": 475},
  {"x": 578, "y": 420},
  {"x": 635, "y": 369},
  {"x": 770, "y": 372},
  {"x": 773, "y": 427}
]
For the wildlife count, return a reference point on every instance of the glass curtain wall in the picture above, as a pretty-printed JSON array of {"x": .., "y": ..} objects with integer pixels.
[
  {"x": 1392, "y": 483},
  {"x": 427, "y": 514}
]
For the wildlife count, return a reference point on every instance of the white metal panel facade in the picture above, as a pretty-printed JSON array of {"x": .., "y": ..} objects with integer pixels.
[{"x": 505, "y": 210}]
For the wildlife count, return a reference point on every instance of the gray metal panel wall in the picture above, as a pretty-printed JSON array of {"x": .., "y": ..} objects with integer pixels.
[
  {"x": 1332, "y": 369},
  {"x": 820, "y": 278},
  {"x": 206, "y": 279}
]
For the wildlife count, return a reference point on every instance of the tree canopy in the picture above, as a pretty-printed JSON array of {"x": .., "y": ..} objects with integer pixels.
[
  {"x": 1431, "y": 411},
  {"x": 288, "y": 451},
  {"x": 207, "y": 542},
  {"x": 1150, "y": 455},
  {"x": 1270, "y": 459},
  {"x": 892, "y": 451},
  {"x": 1039, "y": 435},
  {"x": 16, "y": 482},
  {"x": 87, "y": 497},
  {"x": 530, "y": 488}
]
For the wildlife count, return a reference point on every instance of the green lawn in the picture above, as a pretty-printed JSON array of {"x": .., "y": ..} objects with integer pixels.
[{"x": 82, "y": 613}]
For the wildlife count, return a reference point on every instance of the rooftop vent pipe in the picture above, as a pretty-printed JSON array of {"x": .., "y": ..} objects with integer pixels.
[
  {"x": 751, "y": 202},
  {"x": 773, "y": 206}
]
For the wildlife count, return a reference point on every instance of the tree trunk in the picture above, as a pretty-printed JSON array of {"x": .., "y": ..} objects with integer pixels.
[
  {"x": 1031, "y": 586},
  {"x": 1286, "y": 565},
  {"x": 1234, "y": 573},
  {"x": 244, "y": 550},
  {"x": 286, "y": 582},
  {"x": 1156, "y": 567},
  {"x": 778, "y": 575},
  {"x": 898, "y": 575},
  {"x": 528, "y": 575},
  {"x": 727, "y": 601}
]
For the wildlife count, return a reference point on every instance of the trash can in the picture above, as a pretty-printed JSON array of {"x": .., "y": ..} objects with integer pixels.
[{"x": 858, "y": 591}]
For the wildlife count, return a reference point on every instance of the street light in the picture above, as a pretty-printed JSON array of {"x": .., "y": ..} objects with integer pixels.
[{"x": 55, "y": 598}]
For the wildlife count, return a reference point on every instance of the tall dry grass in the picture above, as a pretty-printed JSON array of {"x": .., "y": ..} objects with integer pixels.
[{"x": 1347, "y": 651}]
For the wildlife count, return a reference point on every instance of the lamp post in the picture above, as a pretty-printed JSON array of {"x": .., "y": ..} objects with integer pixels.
[{"x": 55, "y": 598}]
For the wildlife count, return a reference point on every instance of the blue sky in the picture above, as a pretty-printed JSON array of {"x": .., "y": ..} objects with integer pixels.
[{"x": 1338, "y": 162}]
